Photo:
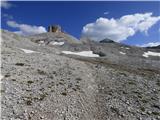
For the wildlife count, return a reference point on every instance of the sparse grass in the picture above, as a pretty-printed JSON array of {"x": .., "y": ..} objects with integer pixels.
[
  {"x": 74, "y": 89},
  {"x": 50, "y": 76},
  {"x": 52, "y": 90},
  {"x": 158, "y": 82},
  {"x": 7, "y": 75},
  {"x": 136, "y": 92},
  {"x": 16, "y": 37},
  {"x": 123, "y": 74},
  {"x": 156, "y": 106},
  {"x": 64, "y": 93},
  {"x": 28, "y": 102},
  {"x": 19, "y": 64},
  {"x": 42, "y": 96},
  {"x": 131, "y": 83},
  {"x": 140, "y": 96},
  {"x": 115, "y": 110},
  {"x": 13, "y": 79},
  {"x": 77, "y": 87},
  {"x": 61, "y": 83},
  {"x": 144, "y": 100},
  {"x": 78, "y": 79},
  {"x": 41, "y": 72},
  {"x": 49, "y": 86},
  {"x": 62, "y": 80},
  {"x": 30, "y": 82},
  {"x": 156, "y": 113},
  {"x": 142, "y": 108},
  {"x": 28, "y": 90},
  {"x": 124, "y": 92},
  {"x": 54, "y": 72},
  {"x": 41, "y": 82},
  {"x": 2, "y": 91},
  {"x": 42, "y": 89}
]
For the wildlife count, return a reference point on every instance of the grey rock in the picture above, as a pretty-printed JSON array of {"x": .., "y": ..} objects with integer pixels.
[{"x": 52, "y": 85}]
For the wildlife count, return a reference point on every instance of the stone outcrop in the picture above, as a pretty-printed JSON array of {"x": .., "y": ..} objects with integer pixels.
[{"x": 54, "y": 28}]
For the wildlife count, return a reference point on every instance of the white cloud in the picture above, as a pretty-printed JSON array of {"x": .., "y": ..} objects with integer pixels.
[
  {"x": 25, "y": 29},
  {"x": 106, "y": 13},
  {"x": 5, "y": 4},
  {"x": 119, "y": 29},
  {"x": 7, "y": 16},
  {"x": 151, "y": 44}
]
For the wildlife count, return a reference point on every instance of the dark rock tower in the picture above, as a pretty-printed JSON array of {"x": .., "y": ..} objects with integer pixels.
[{"x": 54, "y": 28}]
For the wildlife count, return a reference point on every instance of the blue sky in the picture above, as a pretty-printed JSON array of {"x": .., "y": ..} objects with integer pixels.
[{"x": 73, "y": 16}]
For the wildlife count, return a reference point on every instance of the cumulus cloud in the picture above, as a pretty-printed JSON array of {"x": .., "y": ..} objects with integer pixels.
[
  {"x": 5, "y": 4},
  {"x": 25, "y": 29},
  {"x": 151, "y": 44},
  {"x": 119, "y": 29}
]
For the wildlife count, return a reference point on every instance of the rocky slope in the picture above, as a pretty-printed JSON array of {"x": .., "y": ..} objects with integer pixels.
[{"x": 40, "y": 82}]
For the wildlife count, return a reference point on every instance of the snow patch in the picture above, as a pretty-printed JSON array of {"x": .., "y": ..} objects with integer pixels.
[
  {"x": 57, "y": 43},
  {"x": 149, "y": 53},
  {"x": 82, "y": 53},
  {"x": 27, "y": 51},
  {"x": 1, "y": 77},
  {"x": 122, "y": 53},
  {"x": 127, "y": 48}
]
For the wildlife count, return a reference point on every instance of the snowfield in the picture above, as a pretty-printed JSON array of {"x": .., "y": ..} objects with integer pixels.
[
  {"x": 57, "y": 43},
  {"x": 149, "y": 53},
  {"x": 82, "y": 53},
  {"x": 27, "y": 51}
]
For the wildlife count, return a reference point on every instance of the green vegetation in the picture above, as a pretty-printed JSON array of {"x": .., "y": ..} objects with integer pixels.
[
  {"x": 42, "y": 96},
  {"x": 156, "y": 113},
  {"x": 142, "y": 108},
  {"x": 19, "y": 64},
  {"x": 64, "y": 93},
  {"x": 30, "y": 82}
]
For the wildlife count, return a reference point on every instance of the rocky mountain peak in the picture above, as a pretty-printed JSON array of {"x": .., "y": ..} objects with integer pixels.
[{"x": 54, "y": 28}]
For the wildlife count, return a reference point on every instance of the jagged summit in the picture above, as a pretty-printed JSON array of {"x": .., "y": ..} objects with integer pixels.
[{"x": 54, "y": 28}]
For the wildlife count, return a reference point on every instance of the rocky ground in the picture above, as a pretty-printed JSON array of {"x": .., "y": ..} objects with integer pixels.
[{"x": 49, "y": 85}]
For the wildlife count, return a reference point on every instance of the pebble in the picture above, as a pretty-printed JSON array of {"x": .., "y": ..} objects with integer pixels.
[
  {"x": 127, "y": 102},
  {"x": 149, "y": 112}
]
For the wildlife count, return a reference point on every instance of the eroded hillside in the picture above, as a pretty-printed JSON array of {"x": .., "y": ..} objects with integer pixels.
[{"x": 40, "y": 82}]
